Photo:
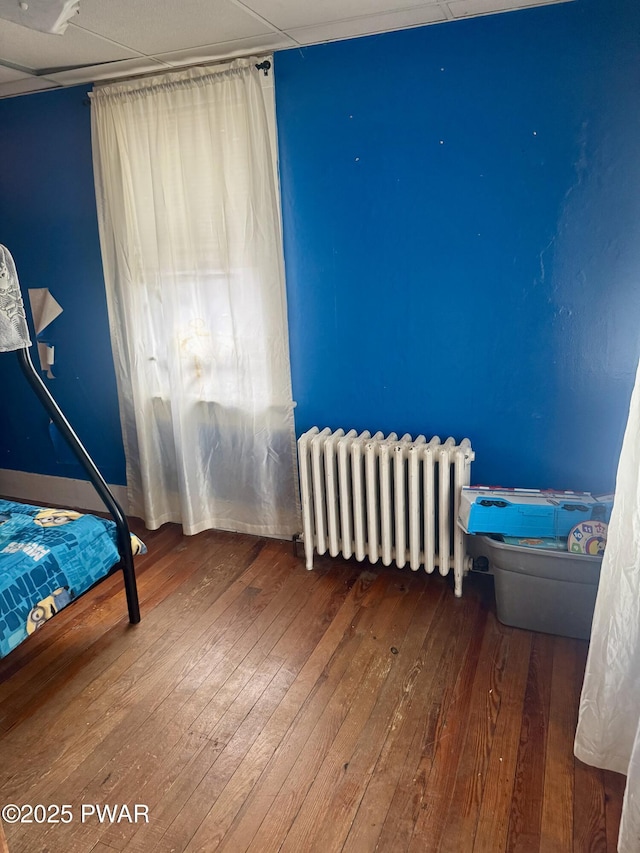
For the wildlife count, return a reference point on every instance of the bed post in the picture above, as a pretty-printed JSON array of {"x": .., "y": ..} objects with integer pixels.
[{"x": 124, "y": 538}]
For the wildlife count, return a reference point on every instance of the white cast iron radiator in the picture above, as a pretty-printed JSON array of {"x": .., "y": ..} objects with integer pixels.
[{"x": 390, "y": 498}]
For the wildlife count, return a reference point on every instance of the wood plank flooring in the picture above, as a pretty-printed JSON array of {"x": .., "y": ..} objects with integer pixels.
[{"x": 260, "y": 707}]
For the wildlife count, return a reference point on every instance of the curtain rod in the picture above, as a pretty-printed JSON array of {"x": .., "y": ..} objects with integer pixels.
[{"x": 263, "y": 66}]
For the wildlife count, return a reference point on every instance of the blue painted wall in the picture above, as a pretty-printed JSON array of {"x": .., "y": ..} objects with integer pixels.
[
  {"x": 48, "y": 222},
  {"x": 461, "y": 206},
  {"x": 461, "y": 212}
]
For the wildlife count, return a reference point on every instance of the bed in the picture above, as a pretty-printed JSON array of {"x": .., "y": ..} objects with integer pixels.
[{"x": 48, "y": 556}]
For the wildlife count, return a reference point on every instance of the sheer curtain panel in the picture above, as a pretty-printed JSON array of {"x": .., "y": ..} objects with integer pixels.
[
  {"x": 187, "y": 195},
  {"x": 608, "y": 733}
]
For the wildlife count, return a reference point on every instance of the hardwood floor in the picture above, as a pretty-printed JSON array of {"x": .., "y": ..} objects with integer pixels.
[{"x": 260, "y": 707}]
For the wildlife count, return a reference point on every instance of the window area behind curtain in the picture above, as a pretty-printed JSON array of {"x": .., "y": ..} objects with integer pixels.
[{"x": 187, "y": 195}]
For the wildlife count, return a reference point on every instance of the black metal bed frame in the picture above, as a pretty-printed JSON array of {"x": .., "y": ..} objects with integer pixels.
[{"x": 124, "y": 537}]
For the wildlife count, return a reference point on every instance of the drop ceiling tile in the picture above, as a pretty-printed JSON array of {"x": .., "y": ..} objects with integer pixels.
[
  {"x": 108, "y": 71},
  {"x": 289, "y": 14},
  {"x": 34, "y": 50},
  {"x": 8, "y": 75},
  {"x": 26, "y": 85},
  {"x": 157, "y": 26},
  {"x": 466, "y": 8},
  {"x": 368, "y": 25},
  {"x": 240, "y": 47}
]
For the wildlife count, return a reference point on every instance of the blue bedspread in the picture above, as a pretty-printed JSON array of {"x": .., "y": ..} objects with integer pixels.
[{"x": 47, "y": 558}]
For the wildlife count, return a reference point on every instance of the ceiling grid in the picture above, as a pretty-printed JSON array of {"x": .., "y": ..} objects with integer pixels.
[{"x": 128, "y": 37}]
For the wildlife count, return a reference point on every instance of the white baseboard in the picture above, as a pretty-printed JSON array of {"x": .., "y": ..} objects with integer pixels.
[{"x": 57, "y": 491}]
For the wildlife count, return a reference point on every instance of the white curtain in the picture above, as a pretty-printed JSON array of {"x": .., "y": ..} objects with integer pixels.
[
  {"x": 608, "y": 733},
  {"x": 188, "y": 210}
]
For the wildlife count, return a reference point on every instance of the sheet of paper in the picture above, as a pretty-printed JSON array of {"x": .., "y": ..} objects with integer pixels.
[
  {"x": 46, "y": 356},
  {"x": 44, "y": 307}
]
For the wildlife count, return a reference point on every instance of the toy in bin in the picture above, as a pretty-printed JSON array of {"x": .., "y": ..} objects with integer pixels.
[
  {"x": 536, "y": 542},
  {"x": 588, "y": 537},
  {"x": 524, "y": 512}
]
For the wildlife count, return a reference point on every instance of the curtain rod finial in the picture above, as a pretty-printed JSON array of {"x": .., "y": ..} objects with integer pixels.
[{"x": 264, "y": 66}]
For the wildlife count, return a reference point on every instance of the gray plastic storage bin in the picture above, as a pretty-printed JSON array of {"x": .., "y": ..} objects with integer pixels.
[{"x": 549, "y": 591}]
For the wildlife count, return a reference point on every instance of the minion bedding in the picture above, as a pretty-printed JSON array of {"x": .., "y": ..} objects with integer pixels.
[{"x": 48, "y": 557}]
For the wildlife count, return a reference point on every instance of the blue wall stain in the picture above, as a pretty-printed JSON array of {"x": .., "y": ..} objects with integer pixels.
[
  {"x": 48, "y": 221},
  {"x": 462, "y": 238},
  {"x": 462, "y": 243}
]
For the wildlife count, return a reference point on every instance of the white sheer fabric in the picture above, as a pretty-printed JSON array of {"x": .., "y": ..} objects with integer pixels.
[
  {"x": 608, "y": 733},
  {"x": 189, "y": 221},
  {"x": 14, "y": 333}
]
